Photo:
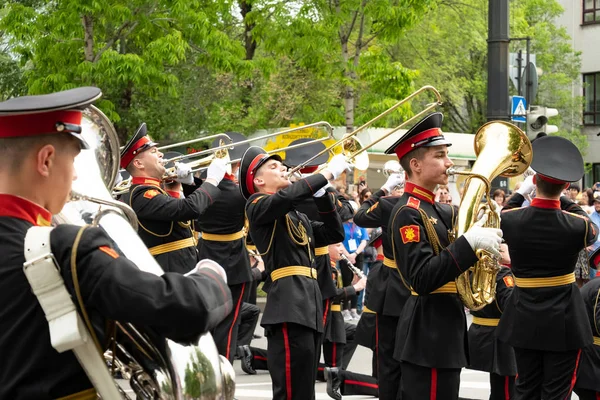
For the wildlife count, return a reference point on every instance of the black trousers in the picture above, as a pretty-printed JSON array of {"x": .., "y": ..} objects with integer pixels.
[
  {"x": 248, "y": 320},
  {"x": 545, "y": 374},
  {"x": 358, "y": 384},
  {"x": 423, "y": 383},
  {"x": 291, "y": 352},
  {"x": 225, "y": 334},
  {"x": 502, "y": 387},
  {"x": 259, "y": 358},
  {"x": 338, "y": 354},
  {"x": 388, "y": 370},
  {"x": 585, "y": 394}
]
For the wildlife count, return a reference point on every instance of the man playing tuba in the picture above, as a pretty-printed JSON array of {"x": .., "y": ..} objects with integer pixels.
[{"x": 40, "y": 136}]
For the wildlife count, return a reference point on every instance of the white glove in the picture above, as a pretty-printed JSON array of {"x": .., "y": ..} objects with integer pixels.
[
  {"x": 319, "y": 193},
  {"x": 392, "y": 181},
  {"x": 338, "y": 165},
  {"x": 209, "y": 264},
  {"x": 488, "y": 239},
  {"x": 184, "y": 174},
  {"x": 526, "y": 187},
  {"x": 216, "y": 170},
  {"x": 118, "y": 179}
]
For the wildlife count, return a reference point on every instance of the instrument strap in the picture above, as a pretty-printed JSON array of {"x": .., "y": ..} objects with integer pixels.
[{"x": 67, "y": 330}]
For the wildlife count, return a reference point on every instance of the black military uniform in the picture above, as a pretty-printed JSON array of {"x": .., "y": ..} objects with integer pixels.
[
  {"x": 165, "y": 222},
  {"x": 487, "y": 353},
  {"x": 285, "y": 237},
  {"x": 588, "y": 381},
  {"x": 222, "y": 239},
  {"x": 431, "y": 340},
  {"x": 390, "y": 293},
  {"x": 545, "y": 320},
  {"x": 112, "y": 287}
]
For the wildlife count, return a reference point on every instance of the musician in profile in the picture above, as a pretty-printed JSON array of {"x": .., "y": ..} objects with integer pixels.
[
  {"x": 285, "y": 238},
  {"x": 431, "y": 337},
  {"x": 40, "y": 136},
  {"x": 545, "y": 319},
  {"x": 165, "y": 222}
]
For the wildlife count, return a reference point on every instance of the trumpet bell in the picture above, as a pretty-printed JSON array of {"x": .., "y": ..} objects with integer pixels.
[
  {"x": 391, "y": 167},
  {"x": 352, "y": 148}
]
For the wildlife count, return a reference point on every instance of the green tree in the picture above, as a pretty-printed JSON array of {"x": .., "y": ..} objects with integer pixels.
[{"x": 449, "y": 49}]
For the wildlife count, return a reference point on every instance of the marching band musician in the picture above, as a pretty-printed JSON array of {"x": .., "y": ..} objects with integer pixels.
[
  {"x": 390, "y": 293},
  {"x": 545, "y": 318},
  {"x": 284, "y": 237},
  {"x": 431, "y": 337},
  {"x": 165, "y": 221},
  {"x": 39, "y": 139},
  {"x": 487, "y": 353},
  {"x": 588, "y": 379},
  {"x": 222, "y": 239}
]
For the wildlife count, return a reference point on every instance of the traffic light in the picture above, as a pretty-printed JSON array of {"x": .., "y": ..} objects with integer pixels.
[{"x": 537, "y": 121}]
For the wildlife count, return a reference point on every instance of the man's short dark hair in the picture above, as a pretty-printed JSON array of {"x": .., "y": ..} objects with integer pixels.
[
  {"x": 575, "y": 187},
  {"x": 14, "y": 149},
  {"x": 417, "y": 153},
  {"x": 549, "y": 189}
]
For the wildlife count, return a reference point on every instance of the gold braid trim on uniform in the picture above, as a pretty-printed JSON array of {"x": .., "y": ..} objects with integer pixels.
[
  {"x": 321, "y": 251},
  {"x": 293, "y": 270},
  {"x": 89, "y": 394},
  {"x": 172, "y": 246},
  {"x": 298, "y": 234},
  {"x": 247, "y": 229},
  {"x": 388, "y": 262},
  {"x": 140, "y": 223},
  {"x": 486, "y": 321},
  {"x": 367, "y": 310},
  {"x": 338, "y": 308},
  {"x": 431, "y": 233},
  {"x": 595, "y": 308},
  {"x": 84, "y": 313},
  {"x": 550, "y": 281},
  {"x": 597, "y": 340}
]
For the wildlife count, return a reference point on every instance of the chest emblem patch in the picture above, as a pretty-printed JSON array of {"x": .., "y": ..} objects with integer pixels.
[
  {"x": 410, "y": 233},
  {"x": 413, "y": 202}
]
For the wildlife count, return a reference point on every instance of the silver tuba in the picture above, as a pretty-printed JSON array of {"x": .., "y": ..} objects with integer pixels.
[{"x": 154, "y": 367}]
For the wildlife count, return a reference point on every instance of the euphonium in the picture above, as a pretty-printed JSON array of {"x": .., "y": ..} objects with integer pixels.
[
  {"x": 154, "y": 367},
  {"x": 502, "y": 149}
]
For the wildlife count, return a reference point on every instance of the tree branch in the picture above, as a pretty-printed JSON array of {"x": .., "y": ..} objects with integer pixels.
[{"x": 118, "y": 35}]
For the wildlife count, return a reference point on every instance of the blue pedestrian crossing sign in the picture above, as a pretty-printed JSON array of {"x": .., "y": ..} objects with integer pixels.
[{"x": 518, "y": 109}]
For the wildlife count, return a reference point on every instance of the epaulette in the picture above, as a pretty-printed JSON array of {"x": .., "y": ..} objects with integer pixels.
[
  {"x": 511, "y": 209},
  {"x": 258, "y": 198},
  {"x": 374, "y": 206},
  {"x": 575, "y": 215},
  {"x": 413, "y": 202}
]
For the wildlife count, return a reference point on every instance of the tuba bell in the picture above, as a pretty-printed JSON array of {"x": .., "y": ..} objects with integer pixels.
[
  {"x": 155, "y": 368},
  {"x": 502, "y": 149}
]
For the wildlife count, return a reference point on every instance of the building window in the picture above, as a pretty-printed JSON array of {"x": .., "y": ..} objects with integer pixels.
[
  {"x": 591, "y": 94},
  {"x": 591, "y": 11}
]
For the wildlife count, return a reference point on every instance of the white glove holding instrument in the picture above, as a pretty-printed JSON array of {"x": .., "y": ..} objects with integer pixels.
[
  {"x": 392, "y": 181},
  {"x": 216, "y": 170},
  {"x": 338, "y": 165},
  {"x": 526, "y": 187},
  {"x": 488, "y": 239},
  {"x": 184, "y": 174}
]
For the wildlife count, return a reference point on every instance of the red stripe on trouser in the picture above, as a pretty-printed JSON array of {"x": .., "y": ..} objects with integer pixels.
[
  {"x": 597, "y": 396},
  {"x": 261, "y": 358},
  {"x": 506, "y": 388},
  {"x": 358, "y": 383},
  {"x": 237, "y": 311},
  {"x": 288, "y": 362},
  {"x": 325, "y": 313},
  {"x": 333, "y": 351},
  {"x": 377, "y": 342},
  {"x": 574, "y": 378},
  {"x": 433, "y": 391}
]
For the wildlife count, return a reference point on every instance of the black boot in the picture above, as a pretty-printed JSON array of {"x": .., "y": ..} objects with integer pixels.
[
  {"x": 246, "y": 359},
  {"x": 333, "y": 383}
]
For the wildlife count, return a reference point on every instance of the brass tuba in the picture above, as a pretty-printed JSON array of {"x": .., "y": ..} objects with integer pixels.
[
  {"x": 502, "y": 149},
  {"x": 154, "y": 368}
]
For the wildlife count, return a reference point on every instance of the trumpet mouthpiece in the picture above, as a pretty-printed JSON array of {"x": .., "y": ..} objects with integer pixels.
[{"x": 450, "y": 171}]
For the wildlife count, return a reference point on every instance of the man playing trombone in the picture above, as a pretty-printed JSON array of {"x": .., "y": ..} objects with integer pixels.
[
  {"x": 431, "y": 335},
  {"x": 286, "y": 239},
  {"x": 165, "y": 221}
]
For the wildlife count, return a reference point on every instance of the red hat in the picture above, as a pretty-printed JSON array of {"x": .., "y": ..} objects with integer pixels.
[
  {"x": 137, "y": 144},
  {"x": 53, "y": 113},
  {"x": 425, "y": 133}
]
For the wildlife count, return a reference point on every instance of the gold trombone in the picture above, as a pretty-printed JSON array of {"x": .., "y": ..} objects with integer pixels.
[
  {"x": 222, "y": 151},
  {"x": 352, "y": 147}
]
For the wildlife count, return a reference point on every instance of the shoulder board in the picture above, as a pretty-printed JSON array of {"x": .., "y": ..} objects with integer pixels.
[
  {"x": 575, "y": 215},
  {"x": 374, "y": 206},
  {"x": 257, "y": 199},
  {"x": 413, "y": 202},
  {"x": 107, "y": 250},
  {"x": 511, "y": 209},
  {"x": 149, "y": 194}
]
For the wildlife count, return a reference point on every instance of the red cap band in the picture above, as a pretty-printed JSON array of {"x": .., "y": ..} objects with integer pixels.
[
  {"x": 405, "y": 147},
  {"x": 250, "y": 173},
  {"x": 23, "y": 125},
  {"x": 551, "y": 180},
  {"x": 130, "y": 155}
]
